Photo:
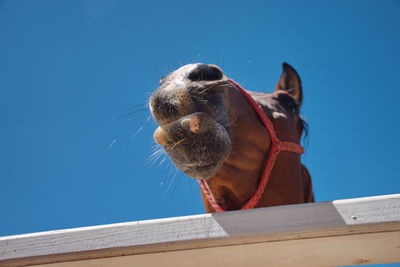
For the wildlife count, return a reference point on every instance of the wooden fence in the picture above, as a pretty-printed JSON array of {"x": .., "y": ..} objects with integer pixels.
[{"x": 336, "y": 233}]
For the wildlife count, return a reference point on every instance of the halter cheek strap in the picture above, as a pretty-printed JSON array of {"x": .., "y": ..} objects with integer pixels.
[{"x": 276, "y": 147}]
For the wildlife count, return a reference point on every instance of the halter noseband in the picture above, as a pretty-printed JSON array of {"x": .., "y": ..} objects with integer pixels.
[{"x": 276, "y": 147}]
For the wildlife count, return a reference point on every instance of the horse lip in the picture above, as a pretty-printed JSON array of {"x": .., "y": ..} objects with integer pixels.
[
  {"x": 202, "y": 165},
  {"x": 166, "y": 123}
]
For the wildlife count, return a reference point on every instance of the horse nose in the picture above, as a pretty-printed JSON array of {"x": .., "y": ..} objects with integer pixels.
[{"x": 205, "y": 72}]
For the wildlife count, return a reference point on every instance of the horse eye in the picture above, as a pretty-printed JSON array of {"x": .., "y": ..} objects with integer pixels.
[
  {"x": 289, "y": 103},
  {"x": 292, "y": 106}
]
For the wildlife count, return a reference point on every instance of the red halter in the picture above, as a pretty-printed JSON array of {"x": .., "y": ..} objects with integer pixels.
[{"x": 276, "y": 147}]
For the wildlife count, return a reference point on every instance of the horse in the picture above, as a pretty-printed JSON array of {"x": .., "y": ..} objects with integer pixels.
[{"x": 242, "y": 146}]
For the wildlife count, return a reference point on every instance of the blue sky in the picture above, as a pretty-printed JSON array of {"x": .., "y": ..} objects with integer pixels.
[{"x": 75, "y": 77}]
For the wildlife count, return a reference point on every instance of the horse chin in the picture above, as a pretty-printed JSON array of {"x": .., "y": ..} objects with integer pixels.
[
  {"x": 199, "y": 144},
  {"x": 205, "y": 162},
  {"x": 203, "y": 172}
]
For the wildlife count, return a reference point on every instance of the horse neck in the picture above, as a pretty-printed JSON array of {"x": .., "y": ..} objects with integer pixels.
[{"x": 239, "y": 175}]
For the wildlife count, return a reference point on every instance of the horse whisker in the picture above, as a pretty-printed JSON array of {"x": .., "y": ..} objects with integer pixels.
[{"x": 170, "y": 183}]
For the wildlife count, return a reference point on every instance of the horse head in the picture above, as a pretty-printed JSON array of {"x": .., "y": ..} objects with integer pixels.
[{"x": 215, "y": 131}]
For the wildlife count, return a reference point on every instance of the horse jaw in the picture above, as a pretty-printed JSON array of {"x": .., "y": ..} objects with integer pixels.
[{"x": 238, "y": 177}]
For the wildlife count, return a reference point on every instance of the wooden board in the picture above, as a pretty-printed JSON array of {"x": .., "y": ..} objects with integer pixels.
[{"x": 342, "y": 232}]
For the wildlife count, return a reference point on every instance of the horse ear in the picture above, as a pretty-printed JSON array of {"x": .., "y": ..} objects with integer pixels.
[{"x": 290, "y": 82}]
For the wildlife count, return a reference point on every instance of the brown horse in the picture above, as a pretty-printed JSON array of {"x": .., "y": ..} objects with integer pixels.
[{"x": 242, "y": 146}]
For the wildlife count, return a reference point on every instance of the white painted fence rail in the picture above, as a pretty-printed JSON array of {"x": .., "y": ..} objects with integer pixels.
[{"x": 341, "y": 232}]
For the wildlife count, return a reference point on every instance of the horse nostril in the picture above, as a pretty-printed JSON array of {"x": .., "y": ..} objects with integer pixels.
[{"x": 204, "y": 72}]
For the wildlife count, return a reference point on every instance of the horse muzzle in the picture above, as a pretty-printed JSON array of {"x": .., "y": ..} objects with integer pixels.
[{"x": 189, "y": 106}]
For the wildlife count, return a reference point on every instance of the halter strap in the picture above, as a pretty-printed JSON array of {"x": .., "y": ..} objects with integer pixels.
[{"x": 276, "y": 147}]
